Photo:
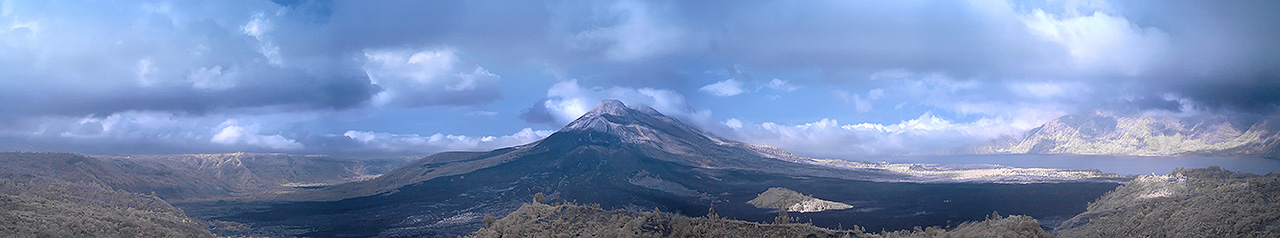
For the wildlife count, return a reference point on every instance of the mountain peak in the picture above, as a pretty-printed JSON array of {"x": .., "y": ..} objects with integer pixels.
[
  {"x": 638, "y": 125},
  {"x": 609, "y": 104},
  {"x": 595, "y": 119}
]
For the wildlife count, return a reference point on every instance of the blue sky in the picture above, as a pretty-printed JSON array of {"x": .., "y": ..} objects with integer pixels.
[{"x": 821, "y": 78}]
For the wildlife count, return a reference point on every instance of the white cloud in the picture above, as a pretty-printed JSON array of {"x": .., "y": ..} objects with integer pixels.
[
  {"x": 827, "y": 137},
  {"x": 733, "y": 123},
  {"x": 258, "y": 27},
  {"x": 388, "y": 142},
  {"x": 232, "y": 133},
  {"x": 860, "y": 103},
  {"x": 482, "y": 113},
  {"x": 891, "y": 74},
  {"x": 567, "y": 101},
  {"x": 143, "y": 69},
  {"x": 637, "y": 34},
  {"x": 214, "y": 78},
  {"x": 1048, "y": 89},
  {"x": 426, "y": 77},
  {"x": 875, "y": 94},
  {"x": 1100, "y": 40},
  {"x": 725, "y": 88},
  {"x": 782, "y": 85},
  {"x": 6, "y": 8}
]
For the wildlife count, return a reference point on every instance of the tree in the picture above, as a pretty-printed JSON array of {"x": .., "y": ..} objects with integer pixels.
[
  {"x": 711, "y": 212},
  {"x": 489, "y": 219},
  {"x": 783, "y": 217}
]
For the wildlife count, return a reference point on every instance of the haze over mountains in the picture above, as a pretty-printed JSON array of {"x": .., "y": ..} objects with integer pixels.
[
  {"x": 197, "y": 177},
  {"x": 1109, "y": 133}
]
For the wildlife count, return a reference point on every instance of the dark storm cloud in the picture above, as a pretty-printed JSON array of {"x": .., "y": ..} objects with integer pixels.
[
  {"x": 161, "y": 57},
  {"x": 1147, "y": 103},
  {"x": 1225, "y": 55},
  {"x": 538, "y": 114},
  {"x": 1260, "y": 94},
  {"x": 194, "y": 57},
  {"x": 290, "y": 89}
]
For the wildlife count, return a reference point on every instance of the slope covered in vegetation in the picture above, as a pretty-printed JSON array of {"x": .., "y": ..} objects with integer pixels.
[
  {"x": 543, "y": 220},
  {"x": 196, "y": 177},
  {"x": 43, "y": 207},
  {"x": 1209, "y": 202},
  {"x": 777, "y": 197}
]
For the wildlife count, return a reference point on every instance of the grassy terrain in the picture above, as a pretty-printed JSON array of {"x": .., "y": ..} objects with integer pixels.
[
  {"x": 1207, "y": 202},
  {"x": 568, "y": 220},
  {"x": 53, "y": 208}
]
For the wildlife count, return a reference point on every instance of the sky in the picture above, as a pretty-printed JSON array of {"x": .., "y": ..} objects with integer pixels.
[{"x": 819, "y": 78}]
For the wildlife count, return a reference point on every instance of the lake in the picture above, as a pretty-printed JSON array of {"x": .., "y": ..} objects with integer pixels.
[{"x": 1124, "y": 165}]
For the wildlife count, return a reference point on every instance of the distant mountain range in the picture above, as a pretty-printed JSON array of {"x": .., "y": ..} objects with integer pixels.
[
  {"x": 197, "y": 177},
  {"x": 638, "y": 159},
  {"x": 1108, "y": 133}
]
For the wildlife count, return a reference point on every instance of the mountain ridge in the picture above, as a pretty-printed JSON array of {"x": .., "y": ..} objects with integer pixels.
[{"x": 1110, "y": 133}]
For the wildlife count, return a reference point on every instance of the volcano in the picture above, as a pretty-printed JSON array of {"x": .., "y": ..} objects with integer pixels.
[{"x": 636, "y": 158}]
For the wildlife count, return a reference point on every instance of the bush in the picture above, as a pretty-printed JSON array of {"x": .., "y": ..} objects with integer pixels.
[
  {"x": 53, "y": 208},
  {"x": 1209, "y": 202},
  {"x": 542, "y": 220}
]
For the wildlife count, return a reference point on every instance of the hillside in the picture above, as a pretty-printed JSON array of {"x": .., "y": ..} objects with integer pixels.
[
  {"x": 1109, "y": 133},
  {"x": 1207, "y": 202},
  {"x": 778, "y": 198},
  {"x": 53, "y": 208},
  {"x": 262, "y": 176},
  {"x": 567, "y": 220},
  {"x": 198, "y": 176}
]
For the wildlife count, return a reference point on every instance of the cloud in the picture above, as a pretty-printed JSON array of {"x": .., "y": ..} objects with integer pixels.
[
  {"x": 733, "y": 123},
  {"x": 183, "y": 57},
  {"x": 860, "y": 103},
  {"x": 827, "y": 137},
  {"x": 415, "y": 78},
  {"x": 725, "y": 88},
  {"x": 388, "y": 142},
  {"x": 875, "y": 94},
  {"x": 81, "y": 75},
  {"x": 214, "y": 78},
  {"x": 232, "y": 133},
  {"x": 638, "y": 33},
  {"x": 1100, "y": 40},
  {"x": 782, "y": 85},
  {"x": 567, "y": 100},
  {"x": 158, "y": 132},
  {"x": 258, "y": 27},
  {"x": 136, "y": 132},
  {"x": 733, "y": 86}
]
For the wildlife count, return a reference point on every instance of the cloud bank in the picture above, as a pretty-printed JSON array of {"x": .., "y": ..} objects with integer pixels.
[{"x": 299, "y": 76}]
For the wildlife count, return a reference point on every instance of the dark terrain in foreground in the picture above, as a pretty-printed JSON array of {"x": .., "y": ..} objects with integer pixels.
[
  {"x": 43, "y": 207},
  {"x": 568, "y": 220},
  {"x": 1208, "y": 202}
]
